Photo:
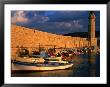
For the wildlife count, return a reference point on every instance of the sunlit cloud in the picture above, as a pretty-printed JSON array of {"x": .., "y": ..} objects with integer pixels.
[{"x": 19, "y": 16}]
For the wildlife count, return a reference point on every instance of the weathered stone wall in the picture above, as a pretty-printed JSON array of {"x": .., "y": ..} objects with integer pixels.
[
  {"x": 93, "y": 42},
  {"x": 21, "y": 36}
]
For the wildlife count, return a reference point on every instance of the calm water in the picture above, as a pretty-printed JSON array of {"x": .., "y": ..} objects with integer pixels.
[{"x": 89, "y": 67}]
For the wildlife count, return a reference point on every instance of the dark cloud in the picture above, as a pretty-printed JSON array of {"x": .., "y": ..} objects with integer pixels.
[{"x": 59, "y": 22}]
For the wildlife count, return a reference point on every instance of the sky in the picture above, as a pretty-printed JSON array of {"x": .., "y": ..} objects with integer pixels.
[{"x": 57, "y": 22}]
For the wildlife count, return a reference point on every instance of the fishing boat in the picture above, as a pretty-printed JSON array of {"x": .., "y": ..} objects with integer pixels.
[
  {"x": 40, "y": 64},
  {"x": 39, "y": 67}
]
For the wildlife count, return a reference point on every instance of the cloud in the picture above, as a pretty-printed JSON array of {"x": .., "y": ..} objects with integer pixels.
[
  {"x": 35, "y": 14},
  {"x": 64, "y": 24},
  {"x": 77, "y": 24},
  {"x": 42, "y": 19},
  {"x": 27, "y": 17},
  {"x": 62, "y": 27},
  {"x": 38, "y": 19},
  {"x": 53, "y": 21},
  {"x": 19, "y": 16},
  {"x": 74, "y": 13}
]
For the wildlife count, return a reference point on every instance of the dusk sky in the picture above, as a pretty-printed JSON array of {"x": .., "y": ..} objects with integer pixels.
[{"x": 59, "y": 22}]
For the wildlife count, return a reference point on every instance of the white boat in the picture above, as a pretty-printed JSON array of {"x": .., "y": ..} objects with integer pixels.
[
  {"x": 40, "y": 67},
  {"x": 40, "y": 64}
]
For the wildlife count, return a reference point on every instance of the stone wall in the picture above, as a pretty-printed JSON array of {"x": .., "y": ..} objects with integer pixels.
[{"x": 21, "y": 36}]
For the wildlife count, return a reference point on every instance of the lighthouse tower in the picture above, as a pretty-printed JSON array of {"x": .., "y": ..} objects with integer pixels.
[{"x": 92, "y": 38}]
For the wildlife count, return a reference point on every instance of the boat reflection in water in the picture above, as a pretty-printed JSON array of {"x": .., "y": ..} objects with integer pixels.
[{"x": 88, "y": 67}]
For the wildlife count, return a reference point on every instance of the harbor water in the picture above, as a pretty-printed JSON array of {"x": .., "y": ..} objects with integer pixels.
[{"x": 85, "y": 66}]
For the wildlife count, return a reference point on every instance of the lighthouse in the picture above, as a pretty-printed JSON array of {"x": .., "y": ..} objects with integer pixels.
[{"x": 91, "y": 36}]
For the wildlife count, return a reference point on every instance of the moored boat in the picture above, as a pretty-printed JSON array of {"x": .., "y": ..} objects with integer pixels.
[
  {"x": 40, "y": 67},
  {"x": 39, "y": 64}
]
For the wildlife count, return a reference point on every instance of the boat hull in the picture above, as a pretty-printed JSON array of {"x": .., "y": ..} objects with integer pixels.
[{"x": 16, "y": 67}]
